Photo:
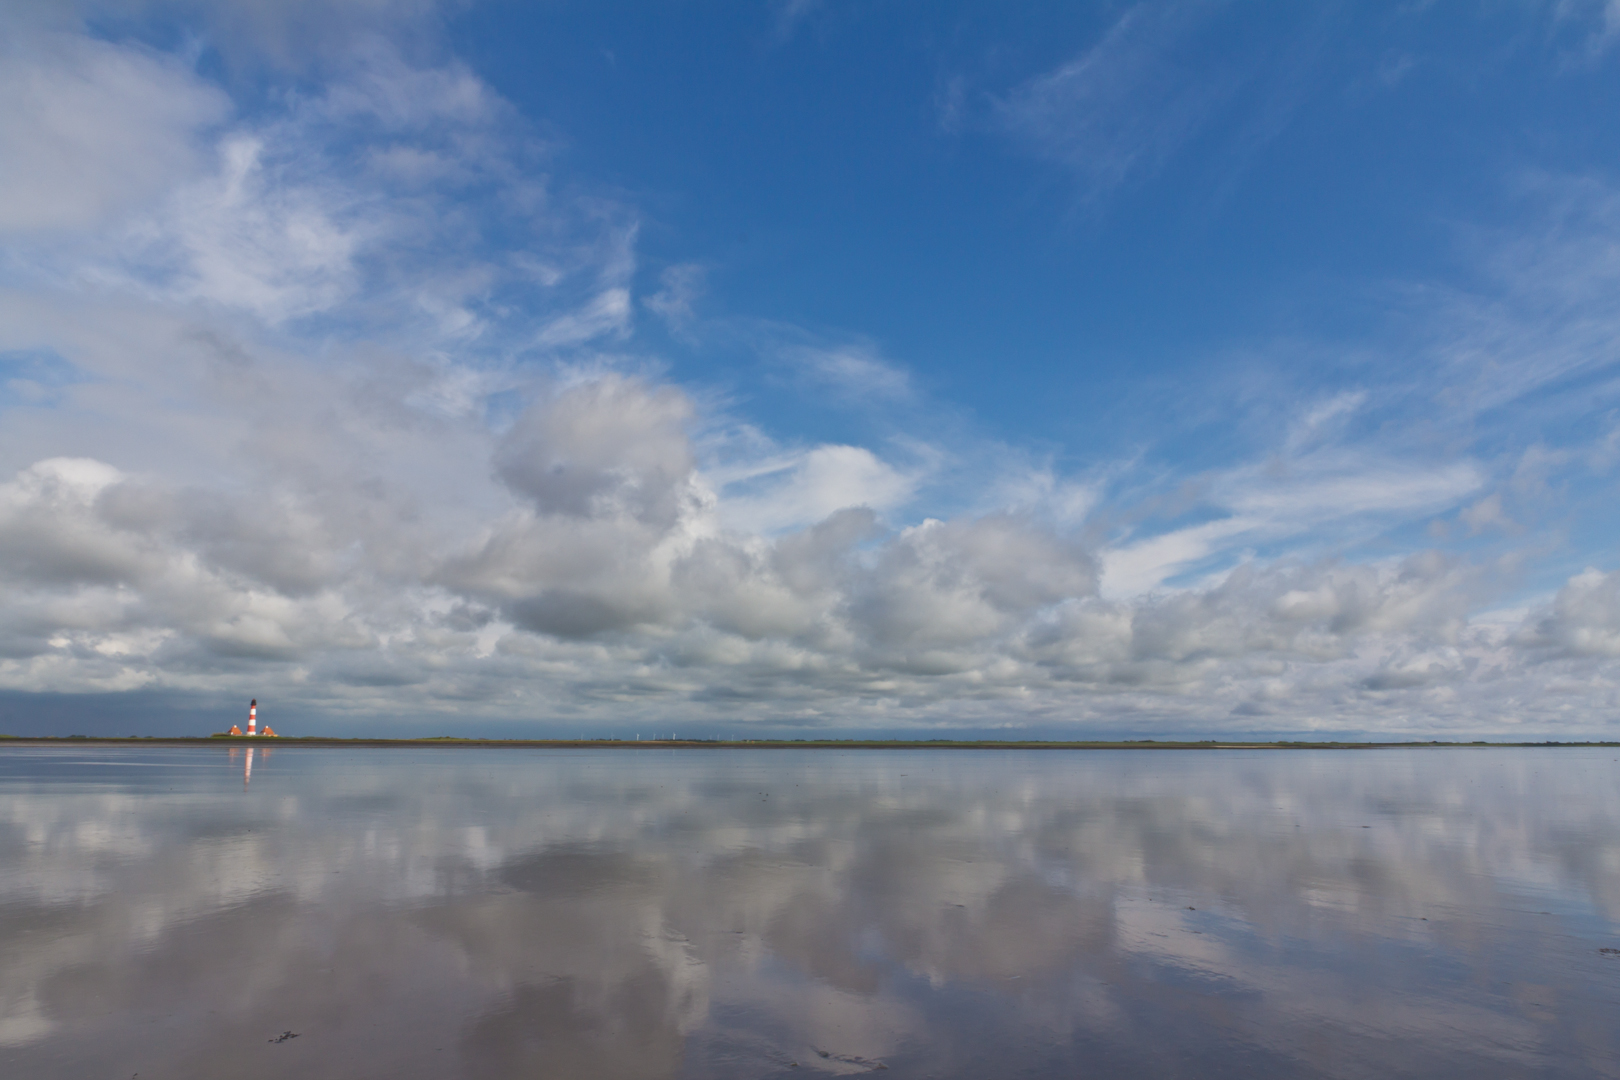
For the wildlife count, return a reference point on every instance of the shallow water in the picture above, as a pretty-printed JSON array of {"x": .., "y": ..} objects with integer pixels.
[{"x": 729, "y": 913}]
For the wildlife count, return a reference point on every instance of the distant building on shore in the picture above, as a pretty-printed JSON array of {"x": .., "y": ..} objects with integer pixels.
[{"x": 253, "y": 724}]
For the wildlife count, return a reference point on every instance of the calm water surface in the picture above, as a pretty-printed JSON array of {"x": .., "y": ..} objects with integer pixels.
[{"x": 556, "y": 914}]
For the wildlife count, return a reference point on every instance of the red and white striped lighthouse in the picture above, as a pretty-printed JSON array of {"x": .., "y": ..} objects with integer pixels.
[{"x": 253, "y": 717}]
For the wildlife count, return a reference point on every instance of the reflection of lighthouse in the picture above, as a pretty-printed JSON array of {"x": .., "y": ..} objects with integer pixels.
[{"x": 247, "y": 766}]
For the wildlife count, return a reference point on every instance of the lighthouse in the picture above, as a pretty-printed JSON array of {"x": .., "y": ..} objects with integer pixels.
[{"x": 253, "y": 717}]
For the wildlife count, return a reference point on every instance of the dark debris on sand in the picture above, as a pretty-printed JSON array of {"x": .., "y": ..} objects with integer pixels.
[{"x": 851, "y": 1059}]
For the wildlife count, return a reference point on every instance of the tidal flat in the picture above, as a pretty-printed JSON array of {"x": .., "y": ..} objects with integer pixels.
[{"x": 288, "y": 911}]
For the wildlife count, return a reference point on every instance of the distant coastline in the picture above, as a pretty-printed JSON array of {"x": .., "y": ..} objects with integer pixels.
[{"x": 762, "y": 744}]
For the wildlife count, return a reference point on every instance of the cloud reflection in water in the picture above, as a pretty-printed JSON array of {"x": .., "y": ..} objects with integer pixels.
[{"x": 727, "y": 913}]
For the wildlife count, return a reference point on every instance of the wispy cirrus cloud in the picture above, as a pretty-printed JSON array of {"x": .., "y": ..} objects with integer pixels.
[
  {"x": 790, "y": 14},
  {"x": 857, "y": 372},
  {"x": 1119, "y": 110}
]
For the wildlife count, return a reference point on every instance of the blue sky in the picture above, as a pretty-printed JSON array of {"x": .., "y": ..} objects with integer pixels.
[{"x": 1158, "y": 369}]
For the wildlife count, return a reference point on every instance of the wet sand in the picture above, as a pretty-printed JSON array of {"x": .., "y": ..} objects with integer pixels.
[{"x": 207, "y": 911}]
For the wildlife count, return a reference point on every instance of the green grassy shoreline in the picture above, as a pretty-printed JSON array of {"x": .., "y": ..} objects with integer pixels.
[{"x": 762, "y": 744}]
